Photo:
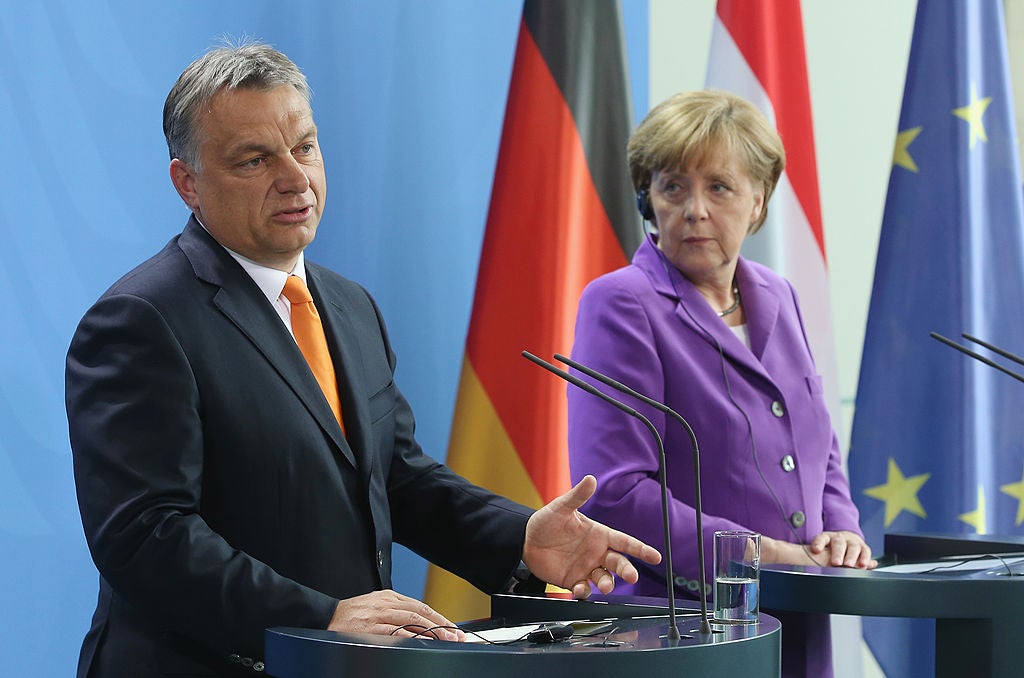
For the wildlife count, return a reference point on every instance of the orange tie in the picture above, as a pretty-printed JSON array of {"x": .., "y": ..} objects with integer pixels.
[{"x": 309, "y": 335}]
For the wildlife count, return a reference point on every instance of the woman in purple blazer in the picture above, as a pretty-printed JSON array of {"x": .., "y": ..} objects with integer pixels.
[{"x": 720, "y": 340}]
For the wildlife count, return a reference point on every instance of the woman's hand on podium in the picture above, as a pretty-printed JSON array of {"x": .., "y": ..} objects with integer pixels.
[
  {"x": 390, "y": 613},
  {"x": 844, "y": 549},
  {"x": 828, "y": 549},
  {"x": 566, "y": 548}
]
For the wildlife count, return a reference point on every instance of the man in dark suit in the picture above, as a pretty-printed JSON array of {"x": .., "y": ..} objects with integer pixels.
[{"x": 220, "y": 492}]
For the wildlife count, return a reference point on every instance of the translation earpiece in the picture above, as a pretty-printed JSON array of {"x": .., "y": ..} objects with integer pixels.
[{"x": 643, "y": 203}]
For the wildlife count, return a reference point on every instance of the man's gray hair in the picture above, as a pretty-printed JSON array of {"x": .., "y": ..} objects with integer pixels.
[{"x": 248, "y": 64}]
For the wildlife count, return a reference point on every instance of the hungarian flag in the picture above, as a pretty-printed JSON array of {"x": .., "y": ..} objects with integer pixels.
[
  {"x": 562, "y": 213},
  {"x": 757, "y": 52}
]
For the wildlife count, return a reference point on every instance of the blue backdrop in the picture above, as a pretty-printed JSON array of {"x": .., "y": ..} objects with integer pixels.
[{"x": 409, "y": 97}]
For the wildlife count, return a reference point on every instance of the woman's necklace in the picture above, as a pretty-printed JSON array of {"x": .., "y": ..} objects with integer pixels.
[{"x": 735, "y": 304}]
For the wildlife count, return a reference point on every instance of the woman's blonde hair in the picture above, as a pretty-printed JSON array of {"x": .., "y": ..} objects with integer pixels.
[{"x": 683, "y": 128}]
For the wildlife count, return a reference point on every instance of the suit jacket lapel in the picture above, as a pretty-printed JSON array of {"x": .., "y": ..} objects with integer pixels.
[
  {"x": 761, "y": 307},
  {"x": 241, "y": 300},
  {"x": 695, "y": 312}
]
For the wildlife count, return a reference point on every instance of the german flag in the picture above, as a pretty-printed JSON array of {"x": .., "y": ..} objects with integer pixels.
[{"x": 562, "y": 213}]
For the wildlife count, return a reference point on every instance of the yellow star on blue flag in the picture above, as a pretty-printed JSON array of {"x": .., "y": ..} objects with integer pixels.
[
  {"x": 899, "y": 493},
  {"x": 976, "y": 518},
  {"x": 1016, "y": 490},
  {"x": 901, "y": 154},
  {"x": 972, "y": 113}
]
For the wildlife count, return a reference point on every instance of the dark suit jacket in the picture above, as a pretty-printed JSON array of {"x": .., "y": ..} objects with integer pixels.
[{"x": 218, "y": 494}]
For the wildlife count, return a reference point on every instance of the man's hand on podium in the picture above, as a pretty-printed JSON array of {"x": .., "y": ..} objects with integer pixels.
[
  {"x": 390, "y": 613},
  {"x": 562, "y": 546},
  {"x": 566, "y": 548}
]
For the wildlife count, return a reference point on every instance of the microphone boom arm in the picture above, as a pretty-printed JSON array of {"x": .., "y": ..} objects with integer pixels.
[
  {"x": 673, "y": 629},
  {"x": 995, "y": 349},
  {"x": 978, "y": 356},
  {"x": 705, "y": 626}
]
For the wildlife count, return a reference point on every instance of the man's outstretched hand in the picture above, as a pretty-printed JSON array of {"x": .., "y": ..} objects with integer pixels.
[{"x": 566, "y": 548}]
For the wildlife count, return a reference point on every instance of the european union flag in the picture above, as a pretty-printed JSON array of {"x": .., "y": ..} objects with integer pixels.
[{"x": 938, "y": 440}]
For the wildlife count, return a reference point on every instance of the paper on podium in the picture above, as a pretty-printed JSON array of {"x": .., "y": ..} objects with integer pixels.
[
  {"x": 956, "y": 564},
  {"x": 509, "y": 634}
]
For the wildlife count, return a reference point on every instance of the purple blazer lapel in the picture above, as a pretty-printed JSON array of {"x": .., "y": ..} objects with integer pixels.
[
  {"x": 694, "y": 311},
  {"x": 760, "y": 305}
]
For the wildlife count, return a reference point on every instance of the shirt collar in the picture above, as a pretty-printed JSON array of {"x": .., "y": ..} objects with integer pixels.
[{"x": 270, "y": 280}]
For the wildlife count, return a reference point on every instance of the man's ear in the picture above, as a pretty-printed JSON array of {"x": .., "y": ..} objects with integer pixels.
[{"x": 184, "y": 179}]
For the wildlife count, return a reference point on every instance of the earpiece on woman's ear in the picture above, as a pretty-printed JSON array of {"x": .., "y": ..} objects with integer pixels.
[{"x": 643, "y": 203}]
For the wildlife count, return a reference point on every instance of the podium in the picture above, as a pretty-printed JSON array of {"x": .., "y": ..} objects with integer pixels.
[
  {"x": 979, "y": 615},
  {"x": 634, "y": 643}
]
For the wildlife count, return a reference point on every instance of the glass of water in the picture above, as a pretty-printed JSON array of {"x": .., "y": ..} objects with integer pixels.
[{"x": 737, "y": 576}]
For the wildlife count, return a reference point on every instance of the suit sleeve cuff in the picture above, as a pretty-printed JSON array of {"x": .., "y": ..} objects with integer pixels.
[{"x": 524, "y": 581}]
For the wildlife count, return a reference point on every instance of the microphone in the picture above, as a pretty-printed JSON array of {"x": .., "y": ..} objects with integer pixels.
[
  {"x": 981, "y": 358},
  {"x": 995, "y": 349},
  {"x": 705, "y": 626},
  {"x": 673, "y": 629}
]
